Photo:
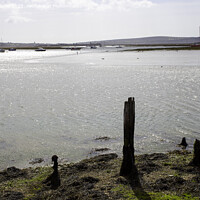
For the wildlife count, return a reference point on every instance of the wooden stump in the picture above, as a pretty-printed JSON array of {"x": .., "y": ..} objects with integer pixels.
[
  {"x": 183, "y": 143},
  {"x": 128, "y": 162},
  {"x": 196, "y": 158},
  {"x": 54, "y": 179}
]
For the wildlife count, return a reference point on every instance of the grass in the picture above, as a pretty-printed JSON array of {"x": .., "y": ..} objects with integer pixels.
[
  {"x": 27, "y": 186},
  {"x": 138, "y": 194},
  {"x": 162, "y": 177}
]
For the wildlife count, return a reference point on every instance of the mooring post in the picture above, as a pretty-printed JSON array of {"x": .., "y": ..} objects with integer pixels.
[
  {"x": 196, "y": 157},
  {"x": 128, "y": 162}
]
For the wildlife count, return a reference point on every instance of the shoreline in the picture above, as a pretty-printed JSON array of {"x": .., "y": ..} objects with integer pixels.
[
  {"x": 45, "y": 161},
  {"x": 189, "y": 48},
  {"x": 161, "y": 176}
]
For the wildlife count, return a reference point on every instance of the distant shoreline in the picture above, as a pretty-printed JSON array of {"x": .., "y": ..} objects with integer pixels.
[
  {"x": 78, "y": 47},
  {"x": 167, "y": 49},
  {"x": 128, "y": 42},
  {"x": 149, "y": 48}
]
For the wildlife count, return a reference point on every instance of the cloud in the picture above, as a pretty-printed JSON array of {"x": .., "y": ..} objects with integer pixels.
[
  {"x": 76, "y": 4},
  {"x": 10, "y": 6},
  {"x": 14, "y": 19},
  {"x": 125, "y": 4}
]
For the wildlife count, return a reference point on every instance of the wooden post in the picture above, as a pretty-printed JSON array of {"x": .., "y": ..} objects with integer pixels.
[
  {"x": 183, "y": 143},
  {"x": 196, "y": 157},
  {"x": 128, "y": 162},
  {"x": 54, "y": 179}
]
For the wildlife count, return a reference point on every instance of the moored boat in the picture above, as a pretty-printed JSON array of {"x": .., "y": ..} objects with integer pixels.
[
  {"x": 40, "y": 49},
  {"x": 12, "y": 49},
  {"x": 76, "y": 48},
  {"x": 93, "y": 47},
  {"x": 2, "y": 50}
]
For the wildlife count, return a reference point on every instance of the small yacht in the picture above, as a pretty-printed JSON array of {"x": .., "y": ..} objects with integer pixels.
[
  {"x": 12, "y": 49},
  {"x": 93, "y": 47},
  {"x": 76, "y": 48},
  {"x": 40, "y": 49},
  {"x": 2, "y": 50}
]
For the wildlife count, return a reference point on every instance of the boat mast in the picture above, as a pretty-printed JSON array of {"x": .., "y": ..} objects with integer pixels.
[{"x": 199, "y": 31}]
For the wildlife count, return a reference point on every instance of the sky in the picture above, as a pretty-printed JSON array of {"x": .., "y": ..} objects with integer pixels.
[{"x": 68, "y": 21}]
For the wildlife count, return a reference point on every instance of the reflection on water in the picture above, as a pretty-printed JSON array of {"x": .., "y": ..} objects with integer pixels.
[{"x": 57, "y": 103}]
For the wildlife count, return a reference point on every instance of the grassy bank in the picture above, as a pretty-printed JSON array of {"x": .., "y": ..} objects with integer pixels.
[
  {"x": 160, "y": 177},
  {"x": 166, "y": 49}
]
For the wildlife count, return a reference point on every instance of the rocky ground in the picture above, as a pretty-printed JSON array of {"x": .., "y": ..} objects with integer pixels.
[{"x": 160, "y": 176}]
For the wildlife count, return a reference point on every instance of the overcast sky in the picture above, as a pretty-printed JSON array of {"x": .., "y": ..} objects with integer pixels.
[{"x": 88, "y": 20}]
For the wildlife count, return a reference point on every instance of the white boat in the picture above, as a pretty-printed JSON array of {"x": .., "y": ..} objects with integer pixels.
[
  {"x": 40, "y": 49},
  {"x": 2, "y": 50}
]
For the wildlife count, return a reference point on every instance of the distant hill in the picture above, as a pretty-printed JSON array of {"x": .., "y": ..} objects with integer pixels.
[{"x": 157, "y": 40}]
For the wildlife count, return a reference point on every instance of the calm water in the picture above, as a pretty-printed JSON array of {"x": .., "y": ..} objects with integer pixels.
[{"x": 58, "y": 102}]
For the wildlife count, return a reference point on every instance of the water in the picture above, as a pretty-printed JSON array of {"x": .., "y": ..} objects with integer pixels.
[{"x": 58, "y": 102}]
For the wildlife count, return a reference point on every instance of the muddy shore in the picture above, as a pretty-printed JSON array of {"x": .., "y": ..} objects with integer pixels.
[{"x": 160, "y": 176}]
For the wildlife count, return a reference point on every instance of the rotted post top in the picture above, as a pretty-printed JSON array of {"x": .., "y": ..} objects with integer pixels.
[{"x": 130, "y": 99}]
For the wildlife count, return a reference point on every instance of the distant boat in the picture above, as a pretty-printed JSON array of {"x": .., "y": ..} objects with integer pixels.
[
  {"x": 2, "y": 50},
  {"x": 75, "y": 48},
  {"x": 12, "y": 49},
  {"x": 195, "y": 45},
  {"x": 93, "y": 47},
  {"x": 40, "y": 49}
]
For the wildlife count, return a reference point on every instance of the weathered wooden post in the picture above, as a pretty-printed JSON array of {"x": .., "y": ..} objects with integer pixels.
[
  {"x": 183, "y": 143},
  {"x": 54, "y": 179},
  {"x": 196, "y": 158},
  {"x": 128, "y": 162}
]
